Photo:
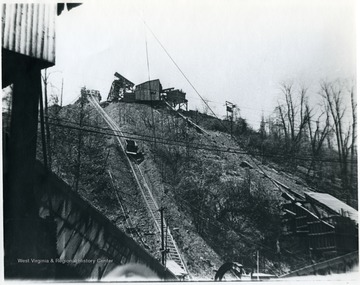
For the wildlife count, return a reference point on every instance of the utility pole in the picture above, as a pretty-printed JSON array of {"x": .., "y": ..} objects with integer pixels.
[
  {"x": 80, "y": 138},
  {"x": 61, "y": 95},
  {"x": 257, "y": 264},
  {"x": 166, "y": 246},
  {"x": 230, "y": 113},
  {"x": 42, "y": 123},
  {"x": 262, "y": 135},
  {"x": 45, "y": 80},
  {"x": 162, "y": 236}
]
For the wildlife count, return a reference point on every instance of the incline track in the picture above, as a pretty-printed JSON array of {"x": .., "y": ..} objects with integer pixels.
[
  {"x": 186, "y": 119},
  {"x": 149, "y": 199},
  {"x": 283, "y": 188}
]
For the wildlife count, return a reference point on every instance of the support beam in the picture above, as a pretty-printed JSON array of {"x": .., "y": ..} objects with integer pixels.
[{"x": 25, "y": 233}]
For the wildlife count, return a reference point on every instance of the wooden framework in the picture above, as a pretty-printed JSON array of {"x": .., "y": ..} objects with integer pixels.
[
  {"x": 176, "y": 98},
  {"x": 119, "y": 88},
  {"x": 329, "y": 234}
]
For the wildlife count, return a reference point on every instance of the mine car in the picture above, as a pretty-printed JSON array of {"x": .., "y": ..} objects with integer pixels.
[{"x": 133, "y": 151}]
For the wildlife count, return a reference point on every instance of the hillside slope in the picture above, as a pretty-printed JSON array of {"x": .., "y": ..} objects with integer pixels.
[
  {"x": 219, "y": 205},
  {"x": 204, "y": 182}
]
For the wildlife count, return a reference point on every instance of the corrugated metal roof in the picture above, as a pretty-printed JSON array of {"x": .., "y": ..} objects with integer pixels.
[
  {"x": 334, "y": 204},
  {"x": 29, "y": 29}
]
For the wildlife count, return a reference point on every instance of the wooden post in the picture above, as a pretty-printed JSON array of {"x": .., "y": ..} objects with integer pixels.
[
  {"x": 257, "y": 264},
  {"x": 22, "y": 142},
  {"x": 166, "y": 245},
  {"x": 162, "y": 236},
  {"x": 21, "y": 220}
]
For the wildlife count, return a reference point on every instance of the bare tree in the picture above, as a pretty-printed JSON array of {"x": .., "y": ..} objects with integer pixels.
[
  {"x": 293, "y": 116},
  {"x": 334, "y": 93},
  {"x": 80, "y": 139},
  {"x": 283, "y": 123},
  {"x": 353, "y": 142},
  {"x": 317, "y": 135}
]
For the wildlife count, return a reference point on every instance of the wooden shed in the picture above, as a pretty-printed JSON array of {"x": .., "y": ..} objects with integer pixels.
[
  {"x": 332, "y": 205},
  {"x": 328, "y": 224},
  {"x": 148, "y": 91}
]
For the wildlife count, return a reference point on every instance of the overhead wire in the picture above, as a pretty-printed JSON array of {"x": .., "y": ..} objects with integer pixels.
[
  {"x": 205, "y": 102},
  {"x": 181, "y": 143},
  {"x": 178, "y": 67},
  {"x": 228, "y": 149},
  {"x": 150, "y": 92},
  {"x": 226, "y": 224},
  {"x": 103, "y": 131},
  {"x": 168, "y": 141}
]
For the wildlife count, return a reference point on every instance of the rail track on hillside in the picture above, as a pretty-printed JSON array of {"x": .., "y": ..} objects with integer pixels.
[
  {"x": 173, "y": 251},
  {"x": 267, "y": 173},
  {"x": 186, "y": 119}
]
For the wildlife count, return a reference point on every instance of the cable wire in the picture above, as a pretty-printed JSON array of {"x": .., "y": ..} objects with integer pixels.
[{"x": 182, "y": 143}]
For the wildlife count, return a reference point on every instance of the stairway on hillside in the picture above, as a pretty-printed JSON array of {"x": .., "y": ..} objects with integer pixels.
[{"x": 173, "y": 251}]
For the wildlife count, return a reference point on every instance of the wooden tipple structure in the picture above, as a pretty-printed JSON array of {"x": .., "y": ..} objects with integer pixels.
[
  {"x": 120, "y": 88},
  {"x": 176, "y": 98},
  {"x": 90, "y": 92},
  {"x": 329, "y": 226},
  {"x": 149, "y": 92}
]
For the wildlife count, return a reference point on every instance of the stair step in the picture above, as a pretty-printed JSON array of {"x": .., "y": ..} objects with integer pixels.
[{"x": 151, "y": 203}]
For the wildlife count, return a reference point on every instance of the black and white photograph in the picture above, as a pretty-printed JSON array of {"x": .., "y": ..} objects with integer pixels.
[{"x": 180, "y": 141}]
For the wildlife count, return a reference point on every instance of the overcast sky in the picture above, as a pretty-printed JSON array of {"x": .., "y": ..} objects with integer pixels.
[{"x": 234, "y": 50}]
